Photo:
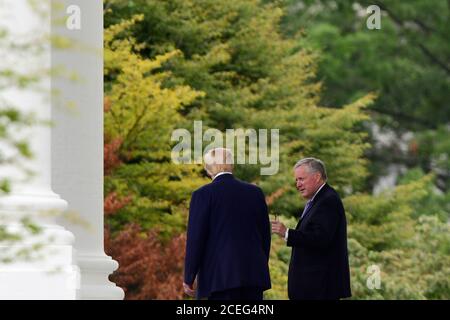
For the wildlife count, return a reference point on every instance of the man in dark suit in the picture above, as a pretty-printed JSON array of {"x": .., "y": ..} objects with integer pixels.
[
  {"x": 228, "y": 237},
  {"x": 319, "y": 267}
]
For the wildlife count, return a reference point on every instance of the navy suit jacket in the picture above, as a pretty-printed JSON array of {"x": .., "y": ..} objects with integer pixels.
[
  {"x": 228, "y": 237},
  {"x": 319, "y": 267}
]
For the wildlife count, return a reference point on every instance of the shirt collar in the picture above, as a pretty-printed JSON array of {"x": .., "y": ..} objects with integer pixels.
[
  {"x": 317, "y": 191},
  {"x": 221, "y": 173}
]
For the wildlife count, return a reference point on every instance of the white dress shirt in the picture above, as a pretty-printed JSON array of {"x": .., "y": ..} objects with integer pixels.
[{"x": 221, "y": 173}]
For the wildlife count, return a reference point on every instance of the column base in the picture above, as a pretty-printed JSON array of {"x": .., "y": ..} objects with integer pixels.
[
  {"x": 39, "y": 284},
  {"x": 45, "y": 272},
  {"x": 95, "y": 284},
  {"x": 37, "y": 265}
]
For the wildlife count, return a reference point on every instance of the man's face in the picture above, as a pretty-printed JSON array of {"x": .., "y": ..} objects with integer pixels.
[{"x": 307, "y": 183}]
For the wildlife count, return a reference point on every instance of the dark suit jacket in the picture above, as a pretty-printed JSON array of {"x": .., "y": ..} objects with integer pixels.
[
  {"x": 319, "y": 267},
  {"x": 228, "y": 237}
]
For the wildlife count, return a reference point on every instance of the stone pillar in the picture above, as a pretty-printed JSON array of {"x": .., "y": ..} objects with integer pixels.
[
  {"x": 77, "y": 142},
  {"x": 52, "y": 274}
]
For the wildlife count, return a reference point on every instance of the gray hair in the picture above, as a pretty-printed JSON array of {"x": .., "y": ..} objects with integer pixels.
[
  {"x": 218, "y": 160},
  {"x": 313, "y": 165}
]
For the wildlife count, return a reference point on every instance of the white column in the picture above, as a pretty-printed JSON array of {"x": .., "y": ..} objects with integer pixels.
[
  {"x": 78, "y": 143},
  {"x": 53, "y": 275}
]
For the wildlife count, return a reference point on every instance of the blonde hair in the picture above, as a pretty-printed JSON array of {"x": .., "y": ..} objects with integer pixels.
[{"x": 218, "y": 160}]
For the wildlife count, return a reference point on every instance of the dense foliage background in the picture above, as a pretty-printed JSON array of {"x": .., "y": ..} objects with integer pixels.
[{"x": 373, "y": 104}]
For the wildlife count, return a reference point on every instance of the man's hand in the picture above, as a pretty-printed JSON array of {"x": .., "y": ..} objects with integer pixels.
[
  {"x": 278, "y": 228},
  {"x": 189, "y": 289}
]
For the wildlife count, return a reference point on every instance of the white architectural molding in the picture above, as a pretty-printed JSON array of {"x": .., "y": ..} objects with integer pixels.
[{"x": 77, "y": 143}]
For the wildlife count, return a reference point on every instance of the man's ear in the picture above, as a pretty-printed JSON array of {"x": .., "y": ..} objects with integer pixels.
[{"x": 319, "y": 176}]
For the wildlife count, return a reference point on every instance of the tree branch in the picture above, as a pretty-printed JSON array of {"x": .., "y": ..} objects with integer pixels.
[{"x": 422, "y": 47}]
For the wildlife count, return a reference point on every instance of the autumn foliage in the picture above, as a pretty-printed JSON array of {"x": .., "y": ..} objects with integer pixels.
[
  {"x": 110, "y": 154},
  {"x": 149, "y": 268},
  {"x": 113, "y": 203}
]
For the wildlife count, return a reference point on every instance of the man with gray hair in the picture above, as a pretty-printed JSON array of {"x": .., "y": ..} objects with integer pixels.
[
  {"x": 319, "y": 267},
  {"x": 228, "y": 236},
  {"x": 218, "y": 160}
]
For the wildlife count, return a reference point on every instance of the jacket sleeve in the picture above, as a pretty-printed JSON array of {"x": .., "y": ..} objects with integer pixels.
[
  {"x": 197, "y": 235},
  {"x": 319, "y": 232},
  {"x": 266, "y": 228}
]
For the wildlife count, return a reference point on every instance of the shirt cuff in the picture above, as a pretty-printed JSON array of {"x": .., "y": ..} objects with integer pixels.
[{"x": 286, "y": 234}]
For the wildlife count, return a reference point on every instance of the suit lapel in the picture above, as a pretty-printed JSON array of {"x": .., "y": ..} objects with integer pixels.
[
  {"x": 312, "y": 206},
  {"x": 307, "y": 213}
]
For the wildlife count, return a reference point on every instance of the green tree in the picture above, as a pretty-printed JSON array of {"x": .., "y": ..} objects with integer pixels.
[
  {"x": 252, "y": 77},
  {"x": 238, "y": 70},
  {"x": 139, "y": 117},
  {"x": 411, "y": 253},
  {"x": 405, "y": 62}
]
